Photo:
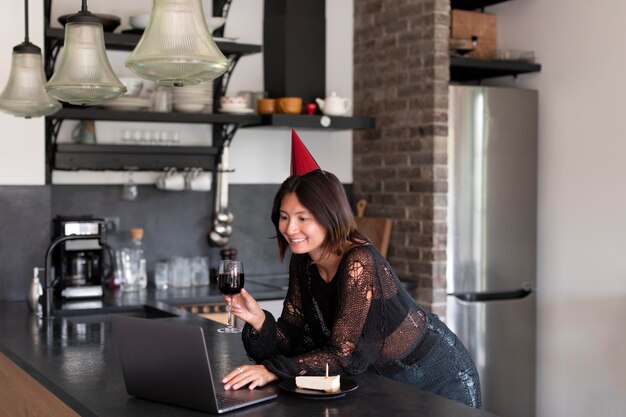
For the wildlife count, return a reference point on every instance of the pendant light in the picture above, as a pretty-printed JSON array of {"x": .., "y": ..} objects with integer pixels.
[
  {"x": 24, "y": 95},
  {"x": 176, "y": 47},
  {"x": 84, "y": 75}
]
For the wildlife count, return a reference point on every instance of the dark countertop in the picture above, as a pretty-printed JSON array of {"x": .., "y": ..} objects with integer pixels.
[
  {"x": 74, "y": 357},
  {"x": 262, "y": 288}
]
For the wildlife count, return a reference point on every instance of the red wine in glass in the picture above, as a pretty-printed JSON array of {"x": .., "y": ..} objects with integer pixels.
[
  {"x": 230, "y": 280},
  {"x": 230, "y": 284}
]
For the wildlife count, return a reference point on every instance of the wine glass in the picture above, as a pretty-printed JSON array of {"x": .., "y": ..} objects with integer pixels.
[{"x": 230, "y": 280}]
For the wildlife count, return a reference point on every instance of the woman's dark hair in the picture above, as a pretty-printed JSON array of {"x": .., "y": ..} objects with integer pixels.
[{"x": 324, "y": 196}]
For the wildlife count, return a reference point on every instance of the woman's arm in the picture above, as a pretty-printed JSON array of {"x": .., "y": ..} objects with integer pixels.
[
  {"x": 347, "y": 352},
  {"x": 282, "y": 336}
]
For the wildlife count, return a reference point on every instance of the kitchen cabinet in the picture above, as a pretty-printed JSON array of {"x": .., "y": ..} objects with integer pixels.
[
  {"x": 21, "y": 395},
  {"x": 464, "y": 69}
]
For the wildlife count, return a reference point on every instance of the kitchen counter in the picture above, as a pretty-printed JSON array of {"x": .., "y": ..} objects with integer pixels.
[
  {"x": 73, "y": 357},
  {"x": 262, "y": 288}
]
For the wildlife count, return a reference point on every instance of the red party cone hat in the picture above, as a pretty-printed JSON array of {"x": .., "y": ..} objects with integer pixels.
[{"x": 301, "y": 160}]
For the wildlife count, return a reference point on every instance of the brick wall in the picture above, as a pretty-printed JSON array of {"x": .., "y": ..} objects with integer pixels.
[{"x": 401, "y": 74}]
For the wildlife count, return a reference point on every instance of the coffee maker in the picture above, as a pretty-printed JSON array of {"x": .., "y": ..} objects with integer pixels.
[{"x": 80, "y": 266}]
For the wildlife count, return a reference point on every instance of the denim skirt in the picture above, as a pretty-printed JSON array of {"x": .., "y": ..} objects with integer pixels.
[{"x": 440, "y": 364}]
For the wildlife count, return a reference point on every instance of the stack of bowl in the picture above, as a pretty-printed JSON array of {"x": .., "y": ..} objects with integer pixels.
[
  {"x": 193, "y": 98},
  {"x": 131, "y": 100}
]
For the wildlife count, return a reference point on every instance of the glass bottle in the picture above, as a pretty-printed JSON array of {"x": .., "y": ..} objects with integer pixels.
[
  {"x": 133, "y": 263},
  {"x": 136, "y": 235},
  {"x": 34, "y": 292}
]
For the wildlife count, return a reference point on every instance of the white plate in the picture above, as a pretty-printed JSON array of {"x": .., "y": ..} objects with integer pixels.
[
  {"x": 224, "y": 39},
  {"x": 347, "y": 385},
  {"x": 128, "y": 103},
  {"x": 236, "y": 111}
]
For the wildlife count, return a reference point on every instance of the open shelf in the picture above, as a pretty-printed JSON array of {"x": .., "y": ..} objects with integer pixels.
[
  {"x": 243, "y": 120},
  {"x": 94, "y": 113},
  {"x": 128, "y": 41},
  {"x": 316, "y": 122},
  {"x": 132, "y": 157},
  {"x": 473, "y": 4},
  {"x": 473, "y": 69}
]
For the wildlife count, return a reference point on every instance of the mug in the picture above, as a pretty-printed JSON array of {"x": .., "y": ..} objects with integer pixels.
[
  {"x": 266, "y": 106},
  {"x": 171, "y": 180},
  {"x": 198, "y": 180},
  {"x": 84, "y": 132},
  {"x": 290, "y": 105}
]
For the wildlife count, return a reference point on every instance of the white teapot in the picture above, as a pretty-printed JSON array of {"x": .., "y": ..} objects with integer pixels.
[{"x": 334, "y": 105}]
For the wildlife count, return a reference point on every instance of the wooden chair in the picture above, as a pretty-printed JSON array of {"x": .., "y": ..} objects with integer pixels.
[{"x": 376, "y": 229}]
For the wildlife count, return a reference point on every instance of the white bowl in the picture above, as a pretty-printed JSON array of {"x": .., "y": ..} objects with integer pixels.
[
  {"x": 139, "y": 21},
  {"x": 133, "y": 86},
  {"x": 189, "y": 107},
  {"x": 233, "y": 108},
  {"x": 215, "y": 22}
]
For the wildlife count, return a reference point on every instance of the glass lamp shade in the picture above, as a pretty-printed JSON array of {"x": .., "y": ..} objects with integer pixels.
[
  {"x": 176, "y": 48},
  {"x": 24, "y": 95},
  {"x": 84, "y": 75}
]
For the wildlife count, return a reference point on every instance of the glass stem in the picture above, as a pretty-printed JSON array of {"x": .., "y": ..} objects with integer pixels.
[{"x": 230, "y": 314}]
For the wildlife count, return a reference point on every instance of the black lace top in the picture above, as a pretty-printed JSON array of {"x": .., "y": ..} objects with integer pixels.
[{"x": 375, "y": 320}]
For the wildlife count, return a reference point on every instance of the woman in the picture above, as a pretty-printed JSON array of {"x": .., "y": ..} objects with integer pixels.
[{"x": 345, "y": 306}]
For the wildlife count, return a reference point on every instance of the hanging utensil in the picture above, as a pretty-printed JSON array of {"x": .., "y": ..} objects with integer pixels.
[{"x": 222, "y": 229}]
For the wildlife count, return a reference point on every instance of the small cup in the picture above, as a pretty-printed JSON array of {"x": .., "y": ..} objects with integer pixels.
[
  {"x": 290, "y": 105},
  {"x": 234, "y": 102},
  {"x": 161, "y": 275},
  {"x": 266, "y": 106},
  {"x": 171, "y": 180},
  {"x": 161, "y": 99},
  {"x": 198, "y": 180}
]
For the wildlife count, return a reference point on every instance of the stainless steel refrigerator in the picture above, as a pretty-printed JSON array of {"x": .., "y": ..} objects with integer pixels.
[{"x": 492, "y": 234}]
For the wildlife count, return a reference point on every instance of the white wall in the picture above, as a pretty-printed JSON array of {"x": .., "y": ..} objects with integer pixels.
[
  {"x": 582, "y": 199},
  {"x": 22, "y": 149},
  {"x": 259, "y": 156}
]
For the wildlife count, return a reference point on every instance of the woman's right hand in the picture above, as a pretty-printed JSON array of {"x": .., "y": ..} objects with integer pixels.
[{"x": 247, "y": 309}]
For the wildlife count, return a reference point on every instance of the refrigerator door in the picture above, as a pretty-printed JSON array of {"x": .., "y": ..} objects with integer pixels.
[
  {"x": 500, "y": 336},
  {"x": 492, "y": 206}
]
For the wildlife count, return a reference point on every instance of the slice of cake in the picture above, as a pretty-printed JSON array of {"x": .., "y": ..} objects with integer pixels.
[{"x": 319, "y": 383}]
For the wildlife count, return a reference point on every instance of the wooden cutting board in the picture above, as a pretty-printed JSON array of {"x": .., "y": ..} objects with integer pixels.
[{"x": 376, "y": 229}]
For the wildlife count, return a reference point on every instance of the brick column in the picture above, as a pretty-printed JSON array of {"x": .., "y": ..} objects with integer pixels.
[{"x": 401, "y": 74}]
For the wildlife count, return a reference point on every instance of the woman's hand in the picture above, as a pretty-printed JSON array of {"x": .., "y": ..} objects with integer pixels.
[
  {"x": 251, "y": 375},
  {"x": 247, "y": 309}
]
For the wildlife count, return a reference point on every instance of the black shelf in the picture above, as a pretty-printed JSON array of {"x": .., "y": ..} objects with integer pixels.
[
  {"x": 473, "y": 4},
  {"x": 317, "y": 122},
  {"x": 132, "y": 157},
  {"x": 243, "y": 120},
  {"x": 473, "y": 69},
  {"x": 128, "y": 41},
  {"x": 94, "y": 113}
]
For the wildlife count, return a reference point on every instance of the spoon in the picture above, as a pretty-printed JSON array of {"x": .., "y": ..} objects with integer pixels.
[{"x": 215, "y": 239}]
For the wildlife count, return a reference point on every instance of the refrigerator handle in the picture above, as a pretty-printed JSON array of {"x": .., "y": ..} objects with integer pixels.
[{"x": 493, "y": 295}]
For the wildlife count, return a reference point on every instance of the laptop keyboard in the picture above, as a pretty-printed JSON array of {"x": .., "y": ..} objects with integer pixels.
[{"x": 226, "y": 402}]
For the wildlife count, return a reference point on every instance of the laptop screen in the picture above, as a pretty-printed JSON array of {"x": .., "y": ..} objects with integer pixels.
[{"x": 168, "y": 361}]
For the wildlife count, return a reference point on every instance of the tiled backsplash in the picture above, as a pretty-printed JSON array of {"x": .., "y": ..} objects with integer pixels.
[{"x": 175, "y": 223}]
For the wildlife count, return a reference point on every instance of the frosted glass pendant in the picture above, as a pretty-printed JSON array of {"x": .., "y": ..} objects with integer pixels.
[
  {"x": 84, "y": 75},
  {"x": 24, "y": 95},
  {"x": 176, "y": 48}
]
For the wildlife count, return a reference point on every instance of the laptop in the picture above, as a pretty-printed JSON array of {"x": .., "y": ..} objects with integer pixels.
[{"x": 169, "y": 362}]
